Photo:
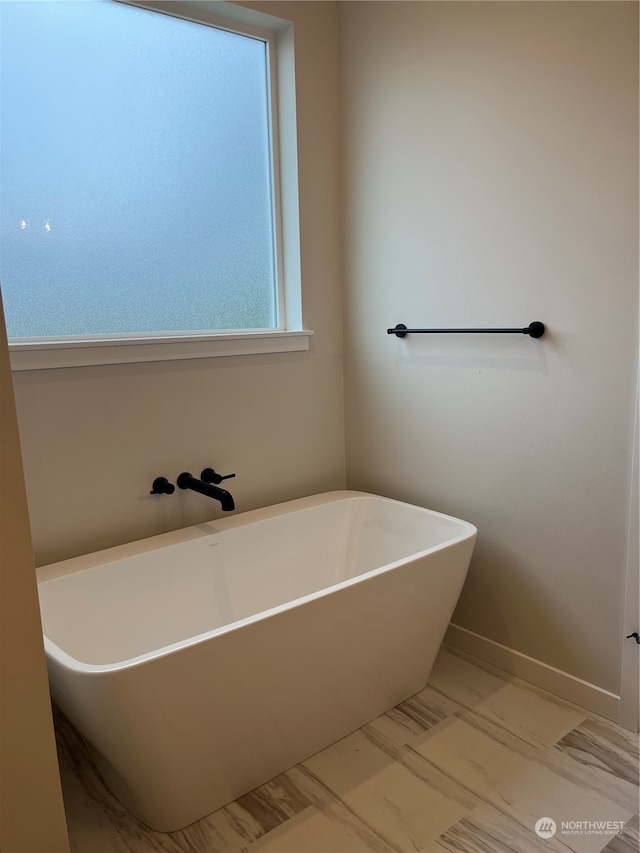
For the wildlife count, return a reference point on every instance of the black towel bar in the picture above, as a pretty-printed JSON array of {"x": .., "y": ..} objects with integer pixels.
[{"x": 535, "y": 329}]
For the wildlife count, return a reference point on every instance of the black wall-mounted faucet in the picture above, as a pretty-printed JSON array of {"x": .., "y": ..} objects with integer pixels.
[
  {"x": 186, "y": 481},
  {"x": 161, "y": 486},
  {"x": 211, "y": 476}
]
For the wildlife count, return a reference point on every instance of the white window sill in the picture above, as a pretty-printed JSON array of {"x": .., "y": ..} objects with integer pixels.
[{"x": 45, "y": 354}]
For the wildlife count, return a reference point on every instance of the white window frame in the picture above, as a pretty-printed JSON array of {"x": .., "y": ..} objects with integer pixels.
[{"x": 289, "y": 336}]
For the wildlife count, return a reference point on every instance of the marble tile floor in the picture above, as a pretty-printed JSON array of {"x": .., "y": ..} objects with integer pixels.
[{"x": 468, "y": 765}]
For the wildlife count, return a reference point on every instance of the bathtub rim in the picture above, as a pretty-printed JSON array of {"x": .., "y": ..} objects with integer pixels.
[{"x": 95, "y": 559}]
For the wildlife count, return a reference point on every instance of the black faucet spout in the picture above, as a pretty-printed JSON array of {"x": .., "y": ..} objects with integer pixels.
[{"x": 186, "y": 481}]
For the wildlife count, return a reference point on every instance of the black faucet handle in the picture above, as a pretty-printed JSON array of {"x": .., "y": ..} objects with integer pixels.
[
  {"x": 161, "y": 486},
  {"x": 211, "y": 476}
]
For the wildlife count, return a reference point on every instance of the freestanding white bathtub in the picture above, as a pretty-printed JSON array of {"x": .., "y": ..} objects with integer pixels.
[{"x": 201, "y": 663}]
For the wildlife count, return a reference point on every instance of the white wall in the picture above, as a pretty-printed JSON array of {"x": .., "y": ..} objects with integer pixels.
[
  {"x": 31, "y": 810},
  {"x": 491, "y": 179},
  {"x": 95, "y": 438}
]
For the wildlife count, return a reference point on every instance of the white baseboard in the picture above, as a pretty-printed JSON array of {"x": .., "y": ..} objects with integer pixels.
[{"x": 536, "y": 672}]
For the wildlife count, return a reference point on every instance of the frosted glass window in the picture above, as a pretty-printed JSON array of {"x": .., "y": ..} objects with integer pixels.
[{"x": 136, "y": 185}]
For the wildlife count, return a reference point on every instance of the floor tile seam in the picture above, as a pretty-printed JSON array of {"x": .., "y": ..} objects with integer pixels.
[
  {"x": 399, "y": 754},
  {"x": 432, "y": 730},
  {"x": 614, "y": 846},
  {"x": 377, "y": 738},
  {"x": 482, "y": 799},
  {"x": 597, "y": 743},
  {"x": 611, "y": 727},
  {"x": 240, "y": 826},
  {"x": 235, "y": 821},
  {"x": 478, "y": 824},
  {"x": 159, "y": 842},
  {"x": 270, "y": 808},
  {"x": 264, "y": 837},
  {"x": 192, "y": 846},
  {"x": 490, "y": 723},
  {"x": 604, "y": 788},
  {"x": 495, "y": 803},
  {"x": 361, "y": 828},
  {"x": 488, "y": 727},
  {"x": 398, "y": 722},
  {"x": 540, "y": 845},
  {"x": 543, "y": 757},
  {"x": 630, "y": 837},
  {"x": 284, "y": 783},
  {"x": 463, "y": 707},
  {"x": 597, "y": 763},
  {"x": 469, "y": 818},
  {"x": 633, "y": 830},
  {"x": 594, "y": 746},
  {"x": 188, "y": 842},
  {"x": 518, "y": 681},
  {"x": 404, "y": 710},
  {"x": 620, "y": 801}
]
